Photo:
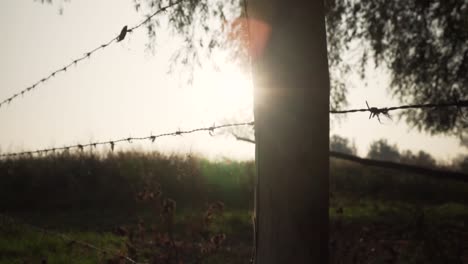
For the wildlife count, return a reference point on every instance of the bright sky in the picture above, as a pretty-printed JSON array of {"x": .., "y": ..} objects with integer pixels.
[{"x": 125, "y": 90}]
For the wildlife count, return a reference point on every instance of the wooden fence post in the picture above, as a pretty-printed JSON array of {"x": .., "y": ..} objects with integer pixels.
[{"x": 291, "y": 86}]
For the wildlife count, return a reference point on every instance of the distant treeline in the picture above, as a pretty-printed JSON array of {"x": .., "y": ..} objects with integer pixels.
[
  {"x": 382, "y": 150},
  {"x": 87, "y": 180},
  {"x": 74, "y": 181}
]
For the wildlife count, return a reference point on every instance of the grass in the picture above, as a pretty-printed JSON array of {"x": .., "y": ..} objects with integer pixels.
[
  {"x": 385, "y": 211},
  {"x": 371, "y": 223},
  {"x": 21, "y": 244},
  {"x": 376, "y": 216}
]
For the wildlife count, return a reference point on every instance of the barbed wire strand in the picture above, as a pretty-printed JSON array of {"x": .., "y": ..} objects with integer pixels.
[
  {"x": 376, "y": 112},
  {"x": 69, "y": 239},
  {"x": 112, "y": 143},
  {"x": 88, "y": 54},
  {"x": 462, "y": 103}
]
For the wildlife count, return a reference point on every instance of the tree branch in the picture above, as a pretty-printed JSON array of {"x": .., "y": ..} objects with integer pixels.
[{"x": 244, "y": 139}]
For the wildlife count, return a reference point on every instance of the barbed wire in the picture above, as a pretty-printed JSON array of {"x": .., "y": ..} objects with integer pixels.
[
  {"x": 69, "y": 239},
  {"x": 88, "y": 54},
  {"x": 376, "y": 112},
  {"x": 112, "y": 143}
]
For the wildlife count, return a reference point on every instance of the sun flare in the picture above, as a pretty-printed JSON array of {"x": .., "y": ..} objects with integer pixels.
[{"x": 228, "y": 92}]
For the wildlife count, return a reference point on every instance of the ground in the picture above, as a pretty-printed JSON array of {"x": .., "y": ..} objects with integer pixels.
[{"x": 376, "y": 216}]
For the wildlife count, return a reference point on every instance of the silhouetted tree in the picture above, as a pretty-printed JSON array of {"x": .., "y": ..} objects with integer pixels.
[
  {"x": 382, "y": 150},
  {"x": 464, "y": 141},
  {"x": 461, "y": 163},
  {"x": 422, "y": 158},
  {"x": 424, "y": 44},
  {"x": 343, "y": 145}
]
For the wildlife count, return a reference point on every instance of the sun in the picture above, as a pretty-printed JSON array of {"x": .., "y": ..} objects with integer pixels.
[{"x": 227, "y": 91}]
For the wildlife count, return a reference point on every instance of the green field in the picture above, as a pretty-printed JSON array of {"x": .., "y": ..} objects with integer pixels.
[{"x": 154, "y": 208}]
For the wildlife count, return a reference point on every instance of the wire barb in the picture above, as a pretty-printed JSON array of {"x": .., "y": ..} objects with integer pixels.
[
  {"x": 122, "y": 35},
  {"x": 376, "y": 112}
]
